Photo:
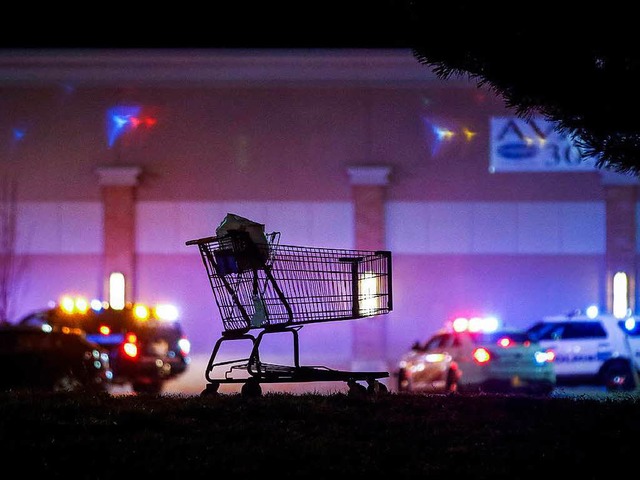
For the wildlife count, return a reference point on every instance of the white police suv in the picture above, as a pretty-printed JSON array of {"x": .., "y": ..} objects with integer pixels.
[{"x": 599, "y": 350}]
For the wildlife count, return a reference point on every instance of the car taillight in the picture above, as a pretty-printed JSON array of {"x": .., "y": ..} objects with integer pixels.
[
  {"x": 506, "y": 342},
  {"x": 547, "y": 356},
  {"x": 130, "y": 345},
  {"x": 481, "y": 355}
]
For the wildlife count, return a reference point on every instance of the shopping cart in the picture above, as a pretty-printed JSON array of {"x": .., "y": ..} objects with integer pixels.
[{"x": 278, "y": 288}]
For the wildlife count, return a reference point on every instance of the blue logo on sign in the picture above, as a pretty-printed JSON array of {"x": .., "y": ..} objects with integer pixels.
[{"x": 517, "y": 150}]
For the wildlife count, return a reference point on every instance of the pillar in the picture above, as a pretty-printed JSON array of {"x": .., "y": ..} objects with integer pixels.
[
  {"x": 118, "y": 185},
  {"x": 368, "y": 191},
  {"x": 621, "y": 196}
]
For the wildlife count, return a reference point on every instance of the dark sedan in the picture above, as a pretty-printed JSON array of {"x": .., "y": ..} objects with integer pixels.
[{"x": 52, "y": 361}]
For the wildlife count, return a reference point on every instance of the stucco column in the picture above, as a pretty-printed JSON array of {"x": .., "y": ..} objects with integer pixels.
[
  {"x": 621, "y": 197},
  {"x": 118, "y": 185},
  {"x": 368, "y": 191}
]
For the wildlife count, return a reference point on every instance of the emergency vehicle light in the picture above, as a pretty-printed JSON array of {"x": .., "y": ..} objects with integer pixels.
[
  {"x": 96, "y": 305},
  {"x": 592, "y": 311},
  {"x": 69, "y": 304},
  {"x": 475, "y": 324},
  {"x": 78, "y": 304},
  {"x": 166, "y": 312},
  {"x": 141, "y": 312},
  {"x": 630, "y": 324}
]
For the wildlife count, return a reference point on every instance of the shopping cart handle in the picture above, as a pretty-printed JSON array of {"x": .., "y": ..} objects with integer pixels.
[{"x": 198, "y": 241}]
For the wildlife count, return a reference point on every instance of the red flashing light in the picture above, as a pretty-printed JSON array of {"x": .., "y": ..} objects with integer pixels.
[
  {"x": 104, "y": 330},
  {"x": 551, "y": 356},
  {"x": 505, "y": 342},
  {"x": 474, "y": 324}
]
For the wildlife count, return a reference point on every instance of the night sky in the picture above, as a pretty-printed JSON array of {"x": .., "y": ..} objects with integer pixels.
[{"x": 238, "y": 24}]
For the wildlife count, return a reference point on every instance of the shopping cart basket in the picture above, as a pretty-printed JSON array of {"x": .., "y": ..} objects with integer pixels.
[{"x": 278, "y": 288}]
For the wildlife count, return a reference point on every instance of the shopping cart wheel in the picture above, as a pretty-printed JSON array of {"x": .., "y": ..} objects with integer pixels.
[
  {"x": 251, "y": 388},
  {"x": 356, "y": 390},
  {"x": 374, "y": 387},
  {"x": 211, "y": 389}
]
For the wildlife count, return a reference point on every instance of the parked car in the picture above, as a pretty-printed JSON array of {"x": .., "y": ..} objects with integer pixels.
[
  {"x": 51, "y": 360},
  {"x": 592, "y": 350},
  {"x": 145, "y": 349},
  {"x": 464, "y": 360}
]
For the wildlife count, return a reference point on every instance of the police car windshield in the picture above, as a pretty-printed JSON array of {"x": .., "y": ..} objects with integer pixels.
[{"x": 540, "y": 330}]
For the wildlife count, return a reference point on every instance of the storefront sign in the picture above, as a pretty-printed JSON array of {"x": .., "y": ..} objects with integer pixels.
[{"x": 519, "y": 145}]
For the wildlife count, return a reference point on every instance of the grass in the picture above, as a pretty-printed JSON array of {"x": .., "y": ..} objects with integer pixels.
[{"x": 316, "y": 436}]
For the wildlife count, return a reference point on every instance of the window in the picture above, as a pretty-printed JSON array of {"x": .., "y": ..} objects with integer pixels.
[
  {"x": 578, "y": 330},
  {"x": 439, "y": 341},
  {"x": 571, "y": 330},
  {"x": 484, "y": 338},
  {"x": 545, "y": 331}
]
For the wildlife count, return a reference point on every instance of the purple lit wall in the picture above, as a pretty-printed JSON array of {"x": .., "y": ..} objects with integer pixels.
[{"x": 516, "y": 245}]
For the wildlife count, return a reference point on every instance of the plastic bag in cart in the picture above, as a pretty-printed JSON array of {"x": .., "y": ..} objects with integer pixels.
[{"x": 235, "y": 262}]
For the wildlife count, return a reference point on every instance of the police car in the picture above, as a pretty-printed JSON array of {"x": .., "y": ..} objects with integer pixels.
[
  {"x": 598, "y": 349},
  {"x": 147, "y": 346},
  {"x": 473, "y": 354}
]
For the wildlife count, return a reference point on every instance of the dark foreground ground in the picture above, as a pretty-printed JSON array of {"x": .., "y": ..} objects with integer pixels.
[{"x": 317, "y": 436}]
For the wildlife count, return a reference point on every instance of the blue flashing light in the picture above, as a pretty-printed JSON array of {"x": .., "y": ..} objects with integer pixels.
[
  {"x": 120, "y": 121},
  {"x": 19, "y": 133},
  {"x": 592, "y": 311},
  {"x": 96, "y": 305},
  {"x": 630, "y": 324}
]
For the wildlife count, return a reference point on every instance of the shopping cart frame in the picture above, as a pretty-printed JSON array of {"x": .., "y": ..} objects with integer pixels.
[{"x": 331, "y": 278}]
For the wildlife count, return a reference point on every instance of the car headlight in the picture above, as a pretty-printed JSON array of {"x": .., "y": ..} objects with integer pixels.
[{"x": 434, "y": 357}]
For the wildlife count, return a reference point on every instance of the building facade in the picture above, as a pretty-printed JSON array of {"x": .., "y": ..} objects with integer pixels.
[{"x": 120, "y": 157}]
